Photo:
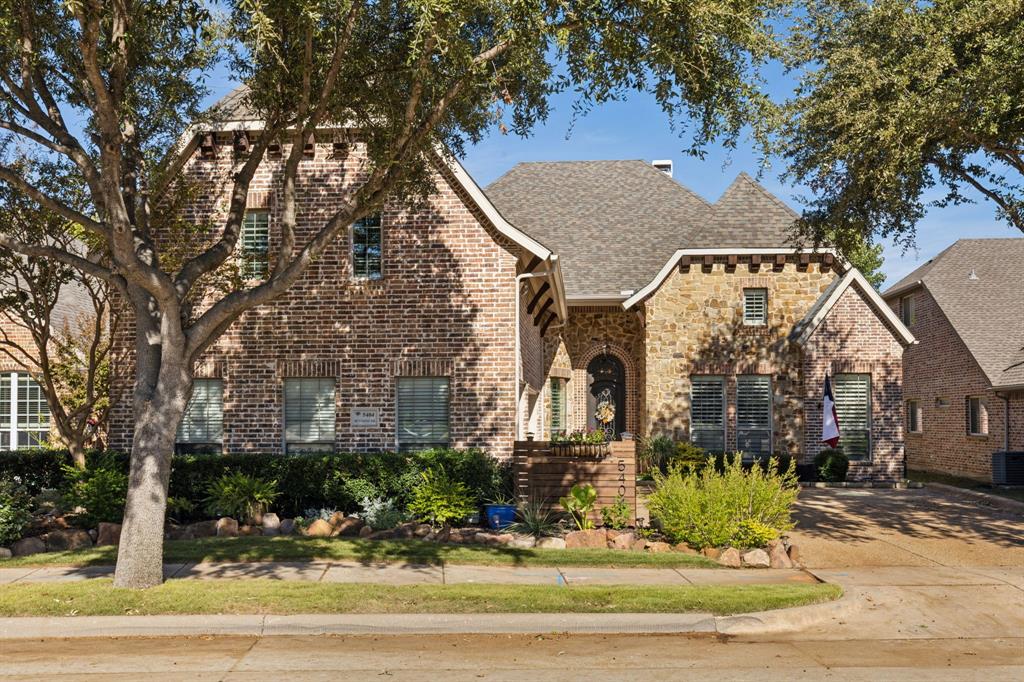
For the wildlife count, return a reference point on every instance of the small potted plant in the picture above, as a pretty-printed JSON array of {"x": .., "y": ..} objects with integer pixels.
[
  {"x": 589, "y": 443},
  {"x": 500, "y": 511}
]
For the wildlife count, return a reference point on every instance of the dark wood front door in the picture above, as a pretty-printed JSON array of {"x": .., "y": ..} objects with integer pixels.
[{"x": 607, "y": 380}]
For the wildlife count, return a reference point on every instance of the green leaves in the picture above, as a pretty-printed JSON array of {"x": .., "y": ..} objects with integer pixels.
[{"x": 579, "y": 503}]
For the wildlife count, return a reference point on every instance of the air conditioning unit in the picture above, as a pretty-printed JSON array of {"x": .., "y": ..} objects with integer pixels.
[{"x": 1008, "y": 468}]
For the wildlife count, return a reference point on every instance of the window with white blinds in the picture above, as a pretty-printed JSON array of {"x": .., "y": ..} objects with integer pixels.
[
  {"x": 255, "y": 240},
  {"x": 24, "y": 412},
  {"x": 422, "y": 412},
  {"x": 558, "y": 405},
  {"x": 707, "y": 412},
  {"x": 853, "y": 406},
  {"x": 367, "y": 247},
  {"x": 309, "y": 415},
  {"x": 202, "y": 426},
  {"x": 754, "y": 415},
  {"x": 755, "y": 307}
]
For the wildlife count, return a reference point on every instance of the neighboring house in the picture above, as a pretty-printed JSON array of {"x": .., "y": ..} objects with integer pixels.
[
  {"x": 964, "y": 380},
  {"x": 487, "y": 317}
]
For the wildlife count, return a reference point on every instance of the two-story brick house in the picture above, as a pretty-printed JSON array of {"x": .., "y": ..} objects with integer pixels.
[
  {"x": 487, "y": 316},
  {"x": 964, "y": 380}
]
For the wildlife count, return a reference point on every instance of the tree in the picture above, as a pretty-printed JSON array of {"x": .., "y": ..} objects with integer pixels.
[
  {"x": 63, "y": 314},
  {"x": 412, "y": 77},
  {"x": 898, "y": 97}
]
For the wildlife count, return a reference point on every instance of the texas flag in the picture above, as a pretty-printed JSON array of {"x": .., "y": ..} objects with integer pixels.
[{"x": 829, "y": 418}]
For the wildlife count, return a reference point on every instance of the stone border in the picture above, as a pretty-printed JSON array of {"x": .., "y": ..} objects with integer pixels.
[{"x": 900, "y": 485}]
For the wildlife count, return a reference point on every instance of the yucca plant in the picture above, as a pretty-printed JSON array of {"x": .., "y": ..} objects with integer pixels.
[
  {"x": 241, "y": 497},
  {"x": 535, "y": 518}
]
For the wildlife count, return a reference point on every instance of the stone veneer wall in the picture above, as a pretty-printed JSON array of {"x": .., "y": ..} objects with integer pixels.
[
  {"x": 941, "y": 373},
  {"x": 695, "y": 326},
  {"x": 445, "y": 306}
]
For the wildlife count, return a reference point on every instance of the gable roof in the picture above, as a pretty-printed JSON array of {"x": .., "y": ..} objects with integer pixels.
[
  {"x": 617, "y": 223},
  {"x": 803, "y": 329},
  {"x": 986, "y": 311}
]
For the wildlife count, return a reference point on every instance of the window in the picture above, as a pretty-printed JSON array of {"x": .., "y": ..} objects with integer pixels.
[
  {"x": 558, "y": 405},
  {"x": 422, "y": 412},
  {"x": 754, "y": 415},
  {"x": 202, "y": 427},
  {"x": 24, "y": 414},
  {"x": 977, "y": 417},
  {"x": 914, "y": 416},
  {"x": 366, "y": 248},
  {"x": 907, "y": 310},
  {"x": 707, "y": 412},
  {"x": 255, "y": 244},
  {"x": 853, "y": 405},
  {"x": 755, "y": 307},
  {"x": 309, "y": 415}
]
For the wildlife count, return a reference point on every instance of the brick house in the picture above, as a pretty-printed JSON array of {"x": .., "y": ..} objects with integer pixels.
[
  {"x": 964, "y": 380},
  {"x": 488, "y": 316}
]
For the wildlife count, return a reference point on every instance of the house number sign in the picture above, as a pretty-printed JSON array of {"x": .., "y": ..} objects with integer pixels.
[
  {"x": 365, "y": 417},
  {"x": 622, "y": 477}
]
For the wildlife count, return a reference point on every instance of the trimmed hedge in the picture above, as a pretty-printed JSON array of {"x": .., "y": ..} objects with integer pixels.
[{"x": 334, "y": 481}]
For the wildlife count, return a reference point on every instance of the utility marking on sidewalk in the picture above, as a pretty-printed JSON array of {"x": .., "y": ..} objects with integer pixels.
[
  {"x": 688, "y": 581},
  {"x": 326, "y": 568}
]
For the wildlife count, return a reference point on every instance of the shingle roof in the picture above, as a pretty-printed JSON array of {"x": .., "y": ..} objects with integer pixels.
[
  {"x": 987, "y": 311},
  {"x": 615, "y": 224},
  {"x": 234, "y": 106}
]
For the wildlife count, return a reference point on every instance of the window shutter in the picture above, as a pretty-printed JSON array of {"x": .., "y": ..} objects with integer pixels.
[
  {"x": 422, "y": 412},
  {"x": 707, "y": 412},
  {"x": 853, "y": 405},
  {"x": 755, "y": 306},
  {"x": 557, "y": 405},
  {"x": 203, "y": 421},
  {"x": 255, "y": 244},
  {"x": 309, "y": 413},
  {"x": 754, "y": 415},
  {"x": 5, "y": 412},
  {"x": 367, "y": 248},
  {"x": 33, "y": 424}
]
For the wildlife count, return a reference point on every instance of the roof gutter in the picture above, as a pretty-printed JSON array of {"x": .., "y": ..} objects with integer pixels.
[{"x": 896, "y": 291}]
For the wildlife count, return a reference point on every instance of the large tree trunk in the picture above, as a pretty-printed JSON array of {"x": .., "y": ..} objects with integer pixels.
[
  {"x": 77, "y": 450},
  {"x": 157, "y": 413}
]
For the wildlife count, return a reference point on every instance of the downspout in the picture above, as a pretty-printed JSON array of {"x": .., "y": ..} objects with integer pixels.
[
  {"x": 1006, "y": 420},
  {"x": 518, "y": 332}
]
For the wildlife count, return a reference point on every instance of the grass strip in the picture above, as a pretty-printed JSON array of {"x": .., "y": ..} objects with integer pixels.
[
  {"x": 927, "y": 477},
  {"x": 99, "y": 598},
  {"x": 370, "y": 551}
]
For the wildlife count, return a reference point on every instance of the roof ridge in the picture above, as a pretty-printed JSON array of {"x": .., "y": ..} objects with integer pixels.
[{"x": 769, "y": 195}]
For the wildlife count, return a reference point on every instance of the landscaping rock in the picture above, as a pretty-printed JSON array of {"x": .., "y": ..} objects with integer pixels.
[
  {"x": 108, "y": 534},
  {"x": 5, "y": 553},
  {"x": 551, "y": 543},
  {"x": 250, "y": 530},
  {"x": 406, "y": 530},
  {"x": 203, "y": 529},
  {"x": 587, "y": 539},
  {"x": 777, "y": 556},
  {"x": 381, "y": 535},
  {"x": 336, "y": 519},
  {"x": 24, "y": 546},
  {"x": 459, "y": 536},
  {"x": 439, "y": 536},
  {"x": 622, "y": 541},
  {"x": 348, "y": 526},
  {"x": 794, "y": 555},
  {"x": 287, "y": 526},
  {"x": 639, "y": 545},
  {"x": 178, "y": 533},
  {"x": 365, "y": 531},
  {"x": 271, "y": 521},
  {"x": 712, "y": 553},
  {"x": 422, "y": 530},
  {"x": 60, "y": 540},
  {"x": 319, "y": 529},
  {"x": 658, "y": 547},
  {"x": 684, "y": 548},
  {"x": 756, "y": 558},
  {"x": 492, "y": 539},
  {"x": 227, "y": 527},
  {"x": 93, "y": 534},
  {"x": 730, "y": 558},
  {"x": 523, "y": 542}
]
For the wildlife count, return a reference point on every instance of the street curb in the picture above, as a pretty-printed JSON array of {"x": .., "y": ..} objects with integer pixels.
[{"x": 997, "y": 501}]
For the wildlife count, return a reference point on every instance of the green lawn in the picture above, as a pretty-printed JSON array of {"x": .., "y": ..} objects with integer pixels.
[
  {"x": 302, "y": 548},
  {"x": 99, "y": 598},
  {"x": 968, "y": 483}
]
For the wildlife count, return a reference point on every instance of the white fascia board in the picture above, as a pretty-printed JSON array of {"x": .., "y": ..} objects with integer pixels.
[
  {"x": 896, "y": 291},
  {"x": 853, "y": 276},
  {"x": 665, "y": 271},
  {"x": 596, "y": 300}
]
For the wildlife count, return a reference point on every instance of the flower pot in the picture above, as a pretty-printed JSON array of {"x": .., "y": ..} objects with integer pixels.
[{"x": 500, "y": 516}]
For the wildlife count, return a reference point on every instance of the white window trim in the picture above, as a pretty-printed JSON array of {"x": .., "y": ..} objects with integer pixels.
[
  {"x": 869, "y": 457},
  {"x": 725, "y": 409},
  {"x": 771, "y": 415},
  {"x": 12, "y": 430},
  {"x": 763, "y": 322}
]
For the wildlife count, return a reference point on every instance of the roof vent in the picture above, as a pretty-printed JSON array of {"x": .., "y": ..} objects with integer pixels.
[
  {"x": 664, "y": 165},
  {"x": 973, "y": 276}
]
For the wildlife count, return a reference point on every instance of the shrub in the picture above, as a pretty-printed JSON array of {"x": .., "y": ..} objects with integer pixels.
[
  {"x": 579, "y": 503},
  {"x": 655, "y": 452},
  {"x": 832, "y": 465},
  {"x": 379, "y": 513},
  {"x": 100, "y": 490},
  {"x": 240, "y": 496},
  {"x": 15, "y": 516},
  {"x": 439, "y": 499},
  {"x": 616, "y": 515},
  {"x": 711, "y": 508},
  {"x": 590, "y": 436},
  {"x": 535, "y": 518},
  {"x": 34, "y": 470},
  {"x": 687, "y": 455}
]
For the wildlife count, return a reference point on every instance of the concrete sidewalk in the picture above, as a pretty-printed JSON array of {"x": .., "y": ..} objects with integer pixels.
[{"x": 423, "y": 574}]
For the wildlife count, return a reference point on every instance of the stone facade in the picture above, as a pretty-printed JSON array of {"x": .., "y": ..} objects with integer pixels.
[{"x": 941, "y": 373}]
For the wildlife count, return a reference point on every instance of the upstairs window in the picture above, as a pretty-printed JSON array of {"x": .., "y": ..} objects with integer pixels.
[
  {"x": 558, "y": 405},
  {"x": 202, "y": 427},
  {"x": 977, "y": 417},
  {"x": 907, "y": 316},
  {"x": 914, "y": 416},
  {"x": 755, "y": 307},
  {"x": 707, "y": 412},
  {"x": 24, "y": 412},
  {"x": 367, "y": 248},
  {"x": 422, "y": 407},
  {"x": 309, "y": 415},
  {"x": 754, "y": 416},
  {"x": 255, "y": 245},
  {"x": 853, "y": 406}
]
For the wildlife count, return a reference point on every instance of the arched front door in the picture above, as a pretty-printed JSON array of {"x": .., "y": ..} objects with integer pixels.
[{"x": 607, "y": 380}]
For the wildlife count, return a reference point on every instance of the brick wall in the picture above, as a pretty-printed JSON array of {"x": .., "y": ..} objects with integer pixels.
[
  {"x": 941, "y": 373},
  {"x": 445, "y": 306}
]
